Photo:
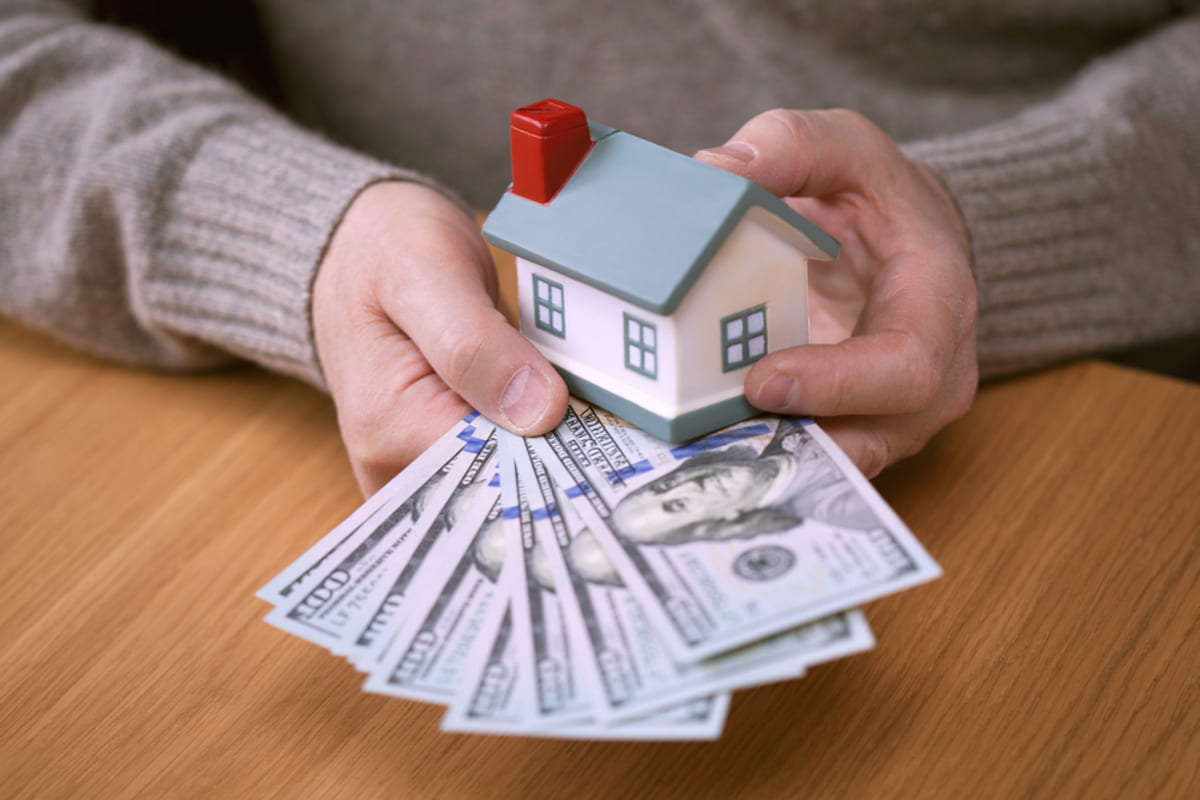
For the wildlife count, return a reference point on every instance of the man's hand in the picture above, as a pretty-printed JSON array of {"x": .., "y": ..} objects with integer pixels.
[
  {"x": 893, "y": 318},
  {"x": 409, "y": 337}
]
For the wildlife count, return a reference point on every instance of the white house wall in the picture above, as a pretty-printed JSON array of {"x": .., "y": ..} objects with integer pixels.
[
  {"x": 593, "y": 348},
  {"x": 758, "y": 263}
]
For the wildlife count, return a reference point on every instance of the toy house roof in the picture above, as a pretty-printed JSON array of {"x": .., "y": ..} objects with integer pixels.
[{"x": 639, "y": 221}]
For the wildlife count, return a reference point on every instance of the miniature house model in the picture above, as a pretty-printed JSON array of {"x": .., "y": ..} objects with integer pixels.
[{"x": 650, "y": 280}]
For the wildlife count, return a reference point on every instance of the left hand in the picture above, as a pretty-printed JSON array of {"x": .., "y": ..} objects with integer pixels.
[
  {"x": 892, "y": 320},
  {"x": 409, "y": 337}
]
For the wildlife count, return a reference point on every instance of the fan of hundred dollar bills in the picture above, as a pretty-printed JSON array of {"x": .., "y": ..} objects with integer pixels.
[{"x": 597, "y": 582}]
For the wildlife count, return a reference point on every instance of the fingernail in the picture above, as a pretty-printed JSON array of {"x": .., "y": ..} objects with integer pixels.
[
  {"x": 524, "y": 398},
  {"x": 736, "y": 151},
  {"x": 776, "y": 394}
]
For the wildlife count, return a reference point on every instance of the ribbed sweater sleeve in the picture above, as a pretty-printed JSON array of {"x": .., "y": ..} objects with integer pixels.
[
  {"x": 152, "y": 212},
  {"x": 1084, "y": 211}
]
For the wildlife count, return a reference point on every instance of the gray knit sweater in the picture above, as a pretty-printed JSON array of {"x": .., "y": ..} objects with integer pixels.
[{"x": 154, "y": 212}]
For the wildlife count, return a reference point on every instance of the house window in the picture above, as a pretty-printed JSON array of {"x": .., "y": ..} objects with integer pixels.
[
  {"x": 641, "y": 347},
  {"x": 548, "y": 306},
  {"x": 743, "y": 338}
]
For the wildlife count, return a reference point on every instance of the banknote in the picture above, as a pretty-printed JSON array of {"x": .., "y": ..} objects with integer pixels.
[
  {"x": 699, "y": 719},
  {"x": 549, "y": 645},
  {"x": 333, "y": 610},
  {"x": 385, "y": 610},
  {"x": 402, "y": 494},
  {"x": 426, "y": 658},
  {"x": 736, "y": 536},
  {"x": 625, "y": 653},
  {"x": 494, "y": 698},
  {"x": 597, "y": 583},
  {"x": 495, "y": 701},
  {"x": 523, "y": 686}
]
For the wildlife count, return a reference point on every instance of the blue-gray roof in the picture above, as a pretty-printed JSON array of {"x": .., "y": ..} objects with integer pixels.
[{"x": 637, "y": 220}]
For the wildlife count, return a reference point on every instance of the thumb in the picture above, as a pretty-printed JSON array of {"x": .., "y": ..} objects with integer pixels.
[
  {"x": 515, "y": 385},
  {"x": 803, "y": 153},
  {"x": 487, "y": 362}
]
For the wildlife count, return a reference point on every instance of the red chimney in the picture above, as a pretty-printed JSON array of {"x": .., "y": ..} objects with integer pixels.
[{"x": 549, "y": 140}]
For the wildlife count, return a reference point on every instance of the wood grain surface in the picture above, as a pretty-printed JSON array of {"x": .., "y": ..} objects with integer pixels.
[{"x": 1059, "y": 655}]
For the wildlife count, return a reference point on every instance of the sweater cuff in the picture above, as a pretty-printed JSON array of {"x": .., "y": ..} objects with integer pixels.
[
  {"x": 242, "y": 235},
  {"x": 1034, "y": 198}
]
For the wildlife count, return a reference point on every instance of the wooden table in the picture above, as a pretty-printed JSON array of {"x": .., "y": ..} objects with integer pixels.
[{"x": 1059, "y": 656}]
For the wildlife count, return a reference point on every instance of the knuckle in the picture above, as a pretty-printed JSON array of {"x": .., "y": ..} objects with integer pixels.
[
  {"x": 962, "y": 397},
  {"x": 367, "y": 421},
  {"x": 910, "y": 445},
  {"x": 926, "y": 382},
  {"x": 375, "y": 453},
  {"x": 874, "y": 454},
  {"x": 840, "y": 385},
  {"x": 924, "y": 375},
  {"x": 464, "y": 355},
  {"x": 969, "y": 313},
  {"x": 855, "y": 122},
  {"x": 797, "y": 125},
  {"x": 849, "y": 116},
  {"x": 780, "y": 116},
  {"x": 876, "y": 149},
  {"x": 360, "y": 427}
]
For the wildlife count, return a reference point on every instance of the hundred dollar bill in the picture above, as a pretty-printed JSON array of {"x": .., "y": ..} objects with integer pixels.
[
  {"x": 550, "y": 646},
  {"x": 737, "y": 536},
  {"x": 495, "y": 700},
  {"x": 428, "y": 656},
  {"x": 495, "y": 697},
  {"x": 635, "y": 669},
  {"x": 699, "y": 719},
  {"x": 501, "y": 697},
  {"x": 405, "y": 494},
  {"x": 385, "y": 610},
  {"x": 333, "y": 610}
]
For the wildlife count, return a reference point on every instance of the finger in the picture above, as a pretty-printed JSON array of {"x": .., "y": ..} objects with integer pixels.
[
  {"x": 882, "y": 373},
  {"x": 875, "y": 442},
  {"x": 397, "y": 441},
  {"x": 804, "y": 153},
  {"x": 479, "y": 355},
  {"x": 393, "y": 406},
  {"x": 910, "y": 331}
]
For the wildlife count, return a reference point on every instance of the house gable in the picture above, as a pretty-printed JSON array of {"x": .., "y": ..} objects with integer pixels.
[{"x": 639, "y": 221}]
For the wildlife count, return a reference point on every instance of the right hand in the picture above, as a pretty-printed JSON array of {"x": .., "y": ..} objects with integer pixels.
[
  {"x": 409, "y": 337},
  {"x": 892, "y": 358}
]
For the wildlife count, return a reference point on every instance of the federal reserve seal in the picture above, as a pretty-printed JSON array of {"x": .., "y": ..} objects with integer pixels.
[{"x": 764, "y": 563}]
